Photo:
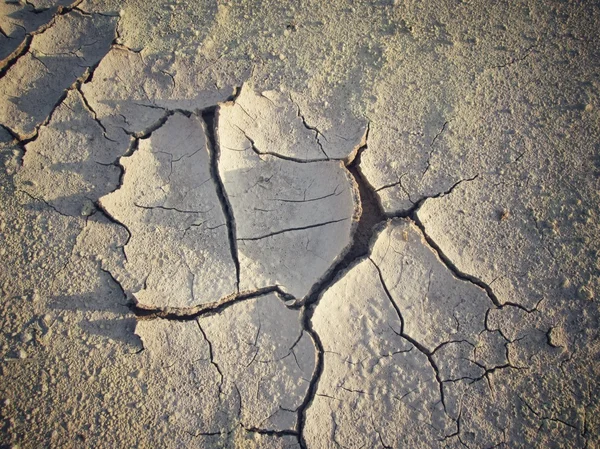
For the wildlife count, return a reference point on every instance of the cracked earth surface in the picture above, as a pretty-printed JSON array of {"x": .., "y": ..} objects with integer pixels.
[{"x": 256, "y": 224}]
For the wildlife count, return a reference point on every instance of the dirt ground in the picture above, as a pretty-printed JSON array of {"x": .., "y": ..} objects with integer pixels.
[{"x": 299, "y": 224}]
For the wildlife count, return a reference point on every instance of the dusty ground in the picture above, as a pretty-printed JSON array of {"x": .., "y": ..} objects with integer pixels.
[{"x": 273, "y": 224}]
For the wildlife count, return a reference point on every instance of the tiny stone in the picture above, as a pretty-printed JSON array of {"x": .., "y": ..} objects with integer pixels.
[
  {"x": 586, "y": 292},
  {"x": 26, "y": 337},
  {"x": 87, "y": 209}
]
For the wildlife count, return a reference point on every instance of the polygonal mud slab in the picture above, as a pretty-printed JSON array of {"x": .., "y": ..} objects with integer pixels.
[
  {"x": 271, "y": 121},
  {"x": 18, "y": 20},
  {"x": 266, "y": 359},
  {"x": 69, "y": 165},
  {"x": 178, "y": 355},
  {"x": 248, "y": 366},
  {"x": 293, "y": 219},
  {"x": 395, "y": 329},
  {"x": 436, "y": 306},
  {"x": 178, "y": 254},
  {"x": 57, "y": 57},
  {"x": 132, "y": 91}
]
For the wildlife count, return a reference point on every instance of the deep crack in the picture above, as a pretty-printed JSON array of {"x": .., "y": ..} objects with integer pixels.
[{"x": 209, "y": 118}]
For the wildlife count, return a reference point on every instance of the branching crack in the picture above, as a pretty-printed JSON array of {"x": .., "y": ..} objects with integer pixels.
[
  {"x": 318, "y": 133},
  {"x": 93, "y": 113},
  {"x": 431, "y": 146},
  {"x": 422, "y": 349},
  {"x": 212, "y": 358},
  {"x": 460, "y": 274},
  {"x": 547, "y": 418},
  {"x": 373, "y": 215}
]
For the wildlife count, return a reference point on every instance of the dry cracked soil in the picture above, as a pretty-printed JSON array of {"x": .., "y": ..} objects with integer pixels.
[{"x": 299, "y": 224}]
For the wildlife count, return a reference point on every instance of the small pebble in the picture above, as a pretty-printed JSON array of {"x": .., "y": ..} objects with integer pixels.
[{"x": 586, "y": 292}]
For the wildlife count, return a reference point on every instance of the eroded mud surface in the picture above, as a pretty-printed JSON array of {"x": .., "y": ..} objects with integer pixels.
[{"x": 287, "y": 225}]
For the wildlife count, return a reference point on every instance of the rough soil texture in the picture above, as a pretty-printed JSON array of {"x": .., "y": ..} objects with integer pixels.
[{"x": 260, "y": 224}]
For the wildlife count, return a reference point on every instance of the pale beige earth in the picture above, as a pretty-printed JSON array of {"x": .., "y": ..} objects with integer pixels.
[{"x": 265, "y": 224}]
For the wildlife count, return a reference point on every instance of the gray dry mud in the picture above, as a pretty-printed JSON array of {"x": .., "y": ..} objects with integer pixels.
[{"x": 259, "y": 224}]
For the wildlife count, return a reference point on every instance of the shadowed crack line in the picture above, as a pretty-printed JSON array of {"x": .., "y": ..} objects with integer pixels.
[
  {"x": 191, "y": 313},
  {"x": 278, "y": 433},
  {"x": 316, "y": 376},
  {"x": 209, "y": 117},
  {"x": 277, "y": 155},
  {"x": 460, "y": 274},
  {"x": 172, "y": 209}
]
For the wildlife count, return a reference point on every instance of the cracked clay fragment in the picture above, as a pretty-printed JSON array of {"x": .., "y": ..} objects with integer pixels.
[
  {"x": 178, "y": 254},
  {"x": 56, "y": 58},
  {"x": 293, "y": 219},
  {"x": 267, "y": 360},
  {"x": 69, "y": 165},
  {"x": 187, "y": 382},
  {"x": 272, "y": 122},
  {"x": 248, "y": 366},
  {"x": 132, "y": 90}
]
